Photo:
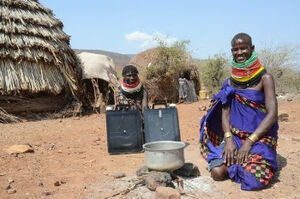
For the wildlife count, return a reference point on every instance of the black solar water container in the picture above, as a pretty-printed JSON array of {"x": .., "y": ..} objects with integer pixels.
[
  {"x": 124, "y": 131},
  {"x": 161, "y": 123}
]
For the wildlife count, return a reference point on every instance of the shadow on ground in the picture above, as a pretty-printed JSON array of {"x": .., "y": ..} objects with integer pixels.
[{"x": 281, "y": 163}]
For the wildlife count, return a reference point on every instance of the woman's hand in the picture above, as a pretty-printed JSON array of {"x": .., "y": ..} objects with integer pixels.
[
  {"x": 243, "y": 152},
  {"x": 229, "y": 151}
]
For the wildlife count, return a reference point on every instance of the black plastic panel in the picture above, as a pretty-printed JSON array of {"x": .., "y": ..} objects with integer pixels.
[
  {"x": 161, "y": 124},
  {"x": 124, "y": 131}
]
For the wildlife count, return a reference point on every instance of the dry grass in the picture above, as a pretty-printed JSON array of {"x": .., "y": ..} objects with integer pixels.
[
  {"x": 8, "y": 118},
  {"x": 35, "y": 54}
]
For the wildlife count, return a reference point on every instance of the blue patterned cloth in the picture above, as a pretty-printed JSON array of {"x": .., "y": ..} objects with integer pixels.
[{"x": 257, "y": 172}]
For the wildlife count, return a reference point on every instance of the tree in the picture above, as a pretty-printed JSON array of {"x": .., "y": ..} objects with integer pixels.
[
  {"x": 281, "y": 62},
  {"x": 213, "y": 73}
]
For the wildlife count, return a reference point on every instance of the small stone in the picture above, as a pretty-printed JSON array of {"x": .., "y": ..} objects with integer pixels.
[
  {"x": 20, "y": 156},
  {"x": 47, "y": 193},
  {"x": 167, "y": 193},
  {"x": 142, "y": 171},
  {"x": 188, "y": 170},
  {"x": 103, "y": 168},
  {"x": 11, "y": 191},
  {"x": 16, "y": 149},
  {"x": 119, "y": 175},
  {"x": 50, "y": 146},
  {"x": 155, "y": 179},
  {"x": 202, "y": 108},
  {"x": 57, "y": 183},
  {"x": 10, "y": 181},
  {"x": 41, "y": 184},
  {"x": 8, "y": 187},
  {"x": 284, "y": 117},
  {"x": 63, "y": 181}
]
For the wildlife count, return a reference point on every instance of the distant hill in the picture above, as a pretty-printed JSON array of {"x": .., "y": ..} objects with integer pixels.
[{"x": 119, "y": 59}]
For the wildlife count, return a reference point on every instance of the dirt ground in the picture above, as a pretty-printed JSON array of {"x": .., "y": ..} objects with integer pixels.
[{"x": 70, "y": 158}]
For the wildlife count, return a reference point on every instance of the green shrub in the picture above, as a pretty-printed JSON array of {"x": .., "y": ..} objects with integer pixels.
[
  {"x": 213, "y": 72},
  {"x": 170, "y": 61}
]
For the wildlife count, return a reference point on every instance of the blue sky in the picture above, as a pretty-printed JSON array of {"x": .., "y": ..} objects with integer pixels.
[{"x": 128, "y": 26}]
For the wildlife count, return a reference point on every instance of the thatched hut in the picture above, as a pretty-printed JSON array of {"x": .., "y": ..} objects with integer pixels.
[
  {"x": 99, "y": 78},
  {"x": 165, "y": 88},
  {"x": 37, "y": 65}
]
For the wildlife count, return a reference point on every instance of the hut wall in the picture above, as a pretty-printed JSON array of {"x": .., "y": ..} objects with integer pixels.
[{"x": 17, "y": 105}]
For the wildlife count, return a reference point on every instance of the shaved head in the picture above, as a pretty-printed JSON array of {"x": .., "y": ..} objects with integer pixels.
[
  {"x": 243, "y": 36},
  {"x": 129, "y": 68}
]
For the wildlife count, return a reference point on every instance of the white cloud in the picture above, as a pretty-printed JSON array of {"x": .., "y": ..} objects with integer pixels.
[{"x": 144, "y": 40}]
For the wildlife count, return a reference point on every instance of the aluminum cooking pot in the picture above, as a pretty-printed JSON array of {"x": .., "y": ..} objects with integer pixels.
[{"x": 164, "y": 155}]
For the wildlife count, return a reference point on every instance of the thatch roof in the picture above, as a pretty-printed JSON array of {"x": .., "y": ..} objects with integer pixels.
[
  {"x": 35, "y": 54},
  {"x": 143, "y": 59}
]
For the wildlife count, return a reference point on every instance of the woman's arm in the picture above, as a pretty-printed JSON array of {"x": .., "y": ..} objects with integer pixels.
[
  {"x": 145, "y": 100},
  {"x": 268, "y": 87},
  {"x": 230, "y": 149},
  {"x": 271, "y": 106},
  {"x": 225, "y": 119}
]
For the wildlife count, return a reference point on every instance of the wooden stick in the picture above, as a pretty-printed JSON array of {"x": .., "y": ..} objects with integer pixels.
[
  {"x": 192, "y": 196},
  {"x": 127, "y": 190}
]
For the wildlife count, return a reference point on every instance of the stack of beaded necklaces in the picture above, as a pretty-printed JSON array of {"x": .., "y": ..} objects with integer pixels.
[
  {"x": 248, "y": 73},
  {"x": 131, "y": 88}
]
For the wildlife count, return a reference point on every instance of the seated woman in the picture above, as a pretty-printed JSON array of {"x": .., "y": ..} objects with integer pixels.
[
  {"x": 132, "y": 92},
  {"x": 238, "y": 135}
]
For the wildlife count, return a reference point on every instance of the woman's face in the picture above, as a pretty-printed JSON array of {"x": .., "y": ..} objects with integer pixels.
[
  {"x": 130, "y": 77},
  {"x": 241, "y": 50}
]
